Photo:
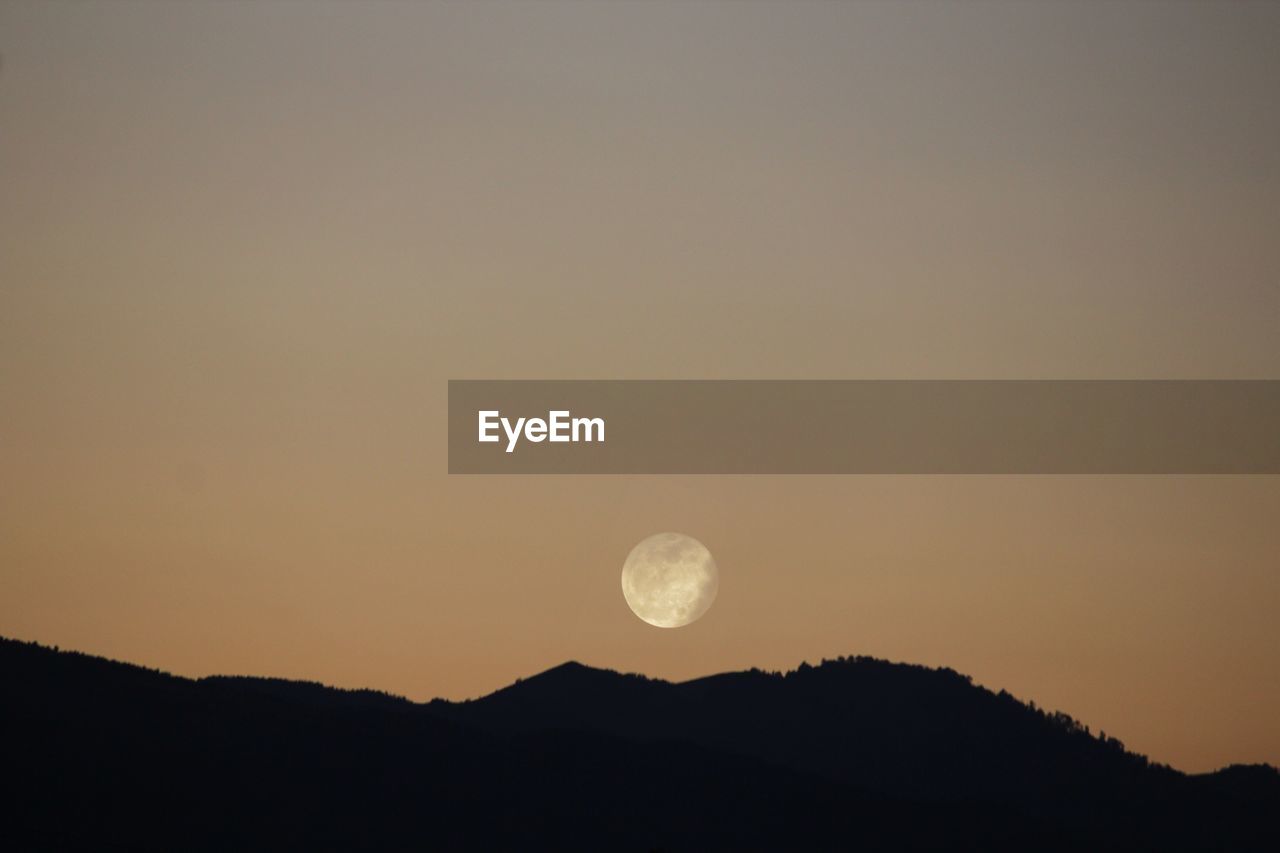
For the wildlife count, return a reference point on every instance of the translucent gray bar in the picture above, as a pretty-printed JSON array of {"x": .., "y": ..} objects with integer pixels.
[{"x": 869, "y": 427}]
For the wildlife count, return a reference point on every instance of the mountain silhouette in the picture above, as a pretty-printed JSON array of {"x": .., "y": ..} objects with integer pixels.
[
  {"x": 854, "y": 753},
  {"x": 902, "y": 729}
]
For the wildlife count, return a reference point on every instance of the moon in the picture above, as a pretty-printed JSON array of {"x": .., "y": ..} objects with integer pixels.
[{"x": 669, "y": 580}]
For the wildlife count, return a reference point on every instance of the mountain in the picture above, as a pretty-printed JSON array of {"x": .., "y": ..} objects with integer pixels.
[{"x": 851, "y": 754}]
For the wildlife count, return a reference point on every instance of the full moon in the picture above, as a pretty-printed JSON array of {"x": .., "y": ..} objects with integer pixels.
[{"x": 669, "y": 580}]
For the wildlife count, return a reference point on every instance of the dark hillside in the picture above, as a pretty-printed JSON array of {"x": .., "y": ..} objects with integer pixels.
[{"x": 848, "y": 755}]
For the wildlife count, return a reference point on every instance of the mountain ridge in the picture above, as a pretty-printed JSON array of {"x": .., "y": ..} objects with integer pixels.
[{"x": 850, "y": 750}]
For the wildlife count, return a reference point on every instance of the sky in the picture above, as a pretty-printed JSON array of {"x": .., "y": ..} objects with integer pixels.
[{"x": 244, "y": 246}]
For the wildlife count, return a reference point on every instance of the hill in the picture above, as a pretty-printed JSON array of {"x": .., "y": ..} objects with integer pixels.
[{"x": 849, "y": 754}]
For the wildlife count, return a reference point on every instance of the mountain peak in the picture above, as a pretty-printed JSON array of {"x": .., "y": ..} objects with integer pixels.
[
  {"x": 572, "y": 675},
  {"x": 570, "y": 666}
]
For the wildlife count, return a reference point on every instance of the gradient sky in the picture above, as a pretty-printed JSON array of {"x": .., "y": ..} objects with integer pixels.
[{"x": 243, "y": 247}]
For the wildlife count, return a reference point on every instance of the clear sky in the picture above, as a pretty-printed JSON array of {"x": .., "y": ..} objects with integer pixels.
[{"x": 243, "y": 247}]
